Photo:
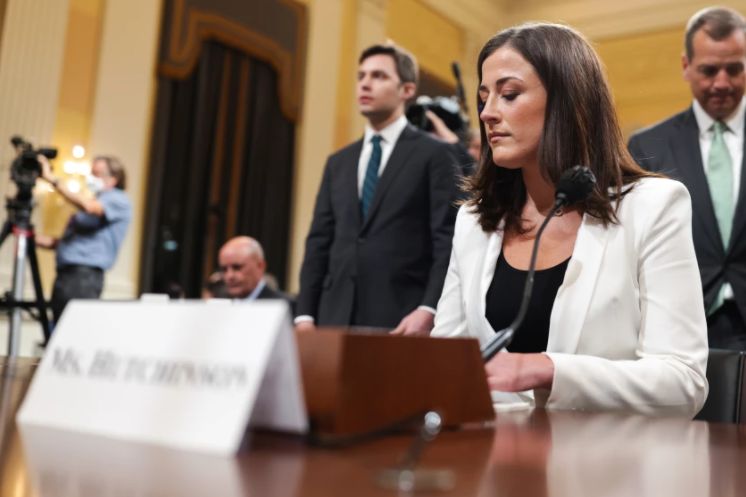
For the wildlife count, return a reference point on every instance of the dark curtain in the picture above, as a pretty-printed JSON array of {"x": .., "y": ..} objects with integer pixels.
[{"x": 221, "y": 166}]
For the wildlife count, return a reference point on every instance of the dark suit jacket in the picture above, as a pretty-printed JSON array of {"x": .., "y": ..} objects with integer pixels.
[
  {"x": 672, "y": 148},
  {"x": 373, "y": 272},
  {"x": 268, "y": 293}
]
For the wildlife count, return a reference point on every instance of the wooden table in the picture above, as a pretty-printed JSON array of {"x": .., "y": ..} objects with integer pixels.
[{"x": 535, "y": 453}]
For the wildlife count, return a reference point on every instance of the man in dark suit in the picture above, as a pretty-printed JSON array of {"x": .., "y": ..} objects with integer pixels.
[
  {"x": 242, "y": 264},
  {"x": 380, "y": 240},
  {"x": 703, "y": 147}
]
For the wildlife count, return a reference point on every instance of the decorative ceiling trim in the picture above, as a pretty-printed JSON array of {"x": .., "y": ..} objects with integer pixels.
[{"x": 192, "y": 27}]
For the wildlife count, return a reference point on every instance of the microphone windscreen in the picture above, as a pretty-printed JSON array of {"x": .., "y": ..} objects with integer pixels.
[
  {"x": 456, "y": 69},
  {"x": 575, "y": 185}
]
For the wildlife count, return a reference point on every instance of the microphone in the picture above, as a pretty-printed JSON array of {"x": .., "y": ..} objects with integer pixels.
[
  {"x": 574, "y": 186},
  {"x": 456, "y": 69}
]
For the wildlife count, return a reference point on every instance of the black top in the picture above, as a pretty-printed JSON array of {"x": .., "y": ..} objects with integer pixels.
[{"x": 504, "y": 299}]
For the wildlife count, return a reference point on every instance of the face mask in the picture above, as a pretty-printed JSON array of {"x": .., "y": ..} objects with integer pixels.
[{"x": 94, "y": 184}]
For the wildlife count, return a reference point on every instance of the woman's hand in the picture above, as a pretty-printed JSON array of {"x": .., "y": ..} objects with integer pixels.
[{"x": 514, "y": 372}]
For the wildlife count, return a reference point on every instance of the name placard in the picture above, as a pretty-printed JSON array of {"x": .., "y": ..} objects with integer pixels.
[{"x": 180, "y": 374}]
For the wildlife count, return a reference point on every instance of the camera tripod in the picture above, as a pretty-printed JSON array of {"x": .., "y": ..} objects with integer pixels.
[{"x": 19, "y": 225}]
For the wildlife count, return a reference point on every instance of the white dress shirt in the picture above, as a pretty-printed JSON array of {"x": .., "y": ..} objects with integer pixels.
[
  {"x": 389, "y": 136},
  {"x": 255, "y": 292},
  {"x": 733, "y": 138}
]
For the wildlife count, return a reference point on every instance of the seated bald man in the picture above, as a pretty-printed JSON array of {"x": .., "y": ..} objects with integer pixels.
[{"x": 242, "y": 264}]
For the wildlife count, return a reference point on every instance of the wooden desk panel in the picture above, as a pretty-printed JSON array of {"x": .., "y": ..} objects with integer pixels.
[{"x": 521, "y": 454}]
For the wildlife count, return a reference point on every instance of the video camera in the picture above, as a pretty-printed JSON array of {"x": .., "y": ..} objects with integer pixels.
[
  {"x": 24, "y": 171},
  {"x": 26, "y": 166},
  {"x": 452, "y": 110},
  {"x": 446, "y": 108}
]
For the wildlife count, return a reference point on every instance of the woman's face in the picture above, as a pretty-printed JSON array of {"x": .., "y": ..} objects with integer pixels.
[{"x": 514, "y": 101}]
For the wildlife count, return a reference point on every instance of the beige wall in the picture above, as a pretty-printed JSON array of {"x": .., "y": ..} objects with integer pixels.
[
  {"x": 644, "y": 71},
  {"x": 79, "y": 74},
  {"x": 122, "y": 115},
  {"x": 73, "y": 117},
  {"x": 640, "y": 43},
  {"x": 31, "y": 55},
  {"x": 315, "y": 133},
  {"x": 604, "y": 18}
]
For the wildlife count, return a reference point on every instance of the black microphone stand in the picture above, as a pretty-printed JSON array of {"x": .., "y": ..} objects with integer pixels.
[
  {"x": 503, "y": 337},
  {"x": 574, "y": 185},
  {"x": 19, "y": 225}
]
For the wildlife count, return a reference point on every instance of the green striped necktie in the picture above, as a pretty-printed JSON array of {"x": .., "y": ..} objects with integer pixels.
[{"x": 720, "y": 182}]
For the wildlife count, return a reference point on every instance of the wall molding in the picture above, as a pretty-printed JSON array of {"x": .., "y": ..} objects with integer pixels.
[
  {"x": 191, "y": 27},
  {"x": 602, "y": 20}
]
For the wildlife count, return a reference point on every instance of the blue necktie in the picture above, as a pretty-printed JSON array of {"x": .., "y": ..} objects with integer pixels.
[{"x": 371, "y": 176}]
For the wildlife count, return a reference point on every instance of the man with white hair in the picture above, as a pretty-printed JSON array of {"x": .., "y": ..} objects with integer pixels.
[{"x": 242, "y": 264}]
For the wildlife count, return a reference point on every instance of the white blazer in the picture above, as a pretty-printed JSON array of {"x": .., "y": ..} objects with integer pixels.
[{"x": 627, "y": 329}]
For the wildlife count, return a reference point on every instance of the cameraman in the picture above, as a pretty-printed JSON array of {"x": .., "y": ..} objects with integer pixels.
[
  {"x": 467, "y": 155},
  {"x": 93, "y": 235}
]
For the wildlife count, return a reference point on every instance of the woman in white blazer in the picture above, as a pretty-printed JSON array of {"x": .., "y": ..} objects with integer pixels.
[{"x": 618, "y": 323}]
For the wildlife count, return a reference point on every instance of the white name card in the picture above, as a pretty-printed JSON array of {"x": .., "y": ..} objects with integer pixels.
[{"x": 180, "y": 374}]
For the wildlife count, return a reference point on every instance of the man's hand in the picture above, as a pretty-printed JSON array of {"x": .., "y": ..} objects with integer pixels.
[
  {"x": 46, "y": 169},
  {"x": 515, "y": 372},
  {"x": 305, "y": 327},
  {"x": 89, "y": 205},
  {"x": 417, "y": 323},
  {"x": 440, "y": 129},
  {"x": 45, "y": 241}
]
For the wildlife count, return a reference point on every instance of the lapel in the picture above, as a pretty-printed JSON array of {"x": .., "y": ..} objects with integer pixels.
[
  {"x": 482, "y": 284},
  {"x": 574, "y": 295},
  {"x": 687, "y": 155},
  {"x": 739, "y": 216},
  {"x": 403, "y": 149},
  {"x": 349, "y": 181}
]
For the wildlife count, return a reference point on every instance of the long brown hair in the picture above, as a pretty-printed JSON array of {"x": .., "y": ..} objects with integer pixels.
[{"x": 580, "y": 127}]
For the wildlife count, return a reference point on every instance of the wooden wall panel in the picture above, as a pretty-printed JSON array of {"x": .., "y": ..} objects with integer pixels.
[
  {"x": 645, "y": 75},
  {"x": 435, "y": 39}
]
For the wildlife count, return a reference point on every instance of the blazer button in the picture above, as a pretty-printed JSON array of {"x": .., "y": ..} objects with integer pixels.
[{"x": 360, "y": 240}]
